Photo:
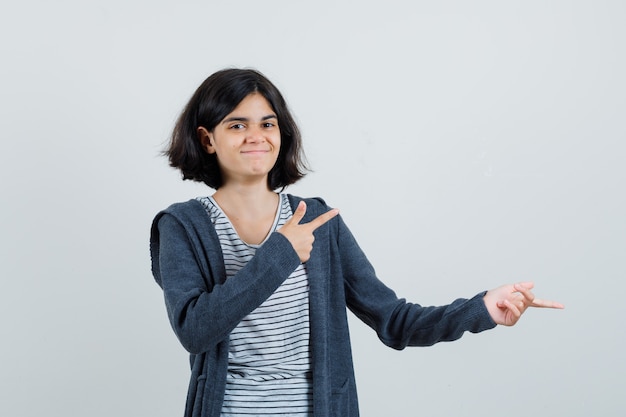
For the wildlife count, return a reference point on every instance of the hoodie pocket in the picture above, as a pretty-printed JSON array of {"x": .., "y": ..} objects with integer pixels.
[{"x": 340, "y": 400}]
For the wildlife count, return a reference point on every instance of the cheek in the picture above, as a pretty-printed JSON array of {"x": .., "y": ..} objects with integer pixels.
[{"x": 276, "y": 141}]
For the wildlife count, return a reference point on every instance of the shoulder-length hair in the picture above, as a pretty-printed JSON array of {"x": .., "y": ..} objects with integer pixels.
[{"x": 217, "y": 97}]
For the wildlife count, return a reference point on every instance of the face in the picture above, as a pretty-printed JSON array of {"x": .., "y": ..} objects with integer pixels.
[{"x": 246, "y": 141}]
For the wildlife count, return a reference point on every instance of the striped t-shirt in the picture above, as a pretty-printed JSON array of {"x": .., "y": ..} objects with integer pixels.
[{"x": 269, "y": 364}]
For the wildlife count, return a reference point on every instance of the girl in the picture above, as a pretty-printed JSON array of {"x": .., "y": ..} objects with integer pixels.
[{"x": 257, "y": 282}]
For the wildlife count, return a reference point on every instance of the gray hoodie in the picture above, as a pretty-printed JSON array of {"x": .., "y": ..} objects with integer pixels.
[{"x": 204, "y": 307}]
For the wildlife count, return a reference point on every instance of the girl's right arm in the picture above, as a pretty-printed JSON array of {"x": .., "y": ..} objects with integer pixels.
[{"x": 203, "y": 310}]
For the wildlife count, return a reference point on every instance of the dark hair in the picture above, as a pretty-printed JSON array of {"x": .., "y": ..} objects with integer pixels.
[{"x": 216, "y": 97}]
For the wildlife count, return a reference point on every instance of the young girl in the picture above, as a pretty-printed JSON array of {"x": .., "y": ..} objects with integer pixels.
[{"x": 257, "y": 282}]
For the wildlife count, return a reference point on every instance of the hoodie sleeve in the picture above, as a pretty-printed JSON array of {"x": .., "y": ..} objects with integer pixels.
[{"x": 203, "y": 309}]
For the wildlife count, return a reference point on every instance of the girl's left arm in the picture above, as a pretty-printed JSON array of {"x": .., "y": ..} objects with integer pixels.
[{"x": 399, "y": 323}]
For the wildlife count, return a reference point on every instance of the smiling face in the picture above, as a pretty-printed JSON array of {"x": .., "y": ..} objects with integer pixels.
[{"x": 246, "y": 142}]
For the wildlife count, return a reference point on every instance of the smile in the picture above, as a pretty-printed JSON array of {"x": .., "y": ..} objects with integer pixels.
[{"x": 255, "y": 152}]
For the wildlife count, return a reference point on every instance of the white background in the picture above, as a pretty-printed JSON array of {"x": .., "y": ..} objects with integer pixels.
[{"x": 467, "y": 143}]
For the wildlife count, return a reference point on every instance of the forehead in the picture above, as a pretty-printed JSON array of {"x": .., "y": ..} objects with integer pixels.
[{"x": 253, "y": 103}]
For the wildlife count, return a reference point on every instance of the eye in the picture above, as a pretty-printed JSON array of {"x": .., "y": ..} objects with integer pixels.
[
  {"x": 237, "y": 126},
  {"x": 268, "y": 125}
]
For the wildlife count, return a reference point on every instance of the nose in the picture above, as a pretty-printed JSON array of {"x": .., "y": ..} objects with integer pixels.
[{"x": 255, "y": 134}]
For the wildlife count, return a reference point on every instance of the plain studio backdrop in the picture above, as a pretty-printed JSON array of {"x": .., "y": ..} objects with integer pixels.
[{"x": 468, "y": 144}]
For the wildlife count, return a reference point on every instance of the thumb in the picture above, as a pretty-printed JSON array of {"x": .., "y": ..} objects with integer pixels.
[{"x": 299, "y": 213}]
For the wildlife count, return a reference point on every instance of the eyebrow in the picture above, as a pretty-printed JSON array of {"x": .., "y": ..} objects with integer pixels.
[{"x": 245, "y": 119}]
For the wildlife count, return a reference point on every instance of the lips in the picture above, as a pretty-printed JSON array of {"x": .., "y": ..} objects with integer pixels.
[{"x": 255, "y": 151}]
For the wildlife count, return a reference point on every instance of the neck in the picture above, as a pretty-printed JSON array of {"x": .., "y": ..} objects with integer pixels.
[{"x": 247, "y": 201}]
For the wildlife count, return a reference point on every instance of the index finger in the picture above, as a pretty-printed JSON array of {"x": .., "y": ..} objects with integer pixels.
[
  {"x": 322, "y": 218},
  {"x": 524, "y": 289},
  {"x": 546, "y": 304}
]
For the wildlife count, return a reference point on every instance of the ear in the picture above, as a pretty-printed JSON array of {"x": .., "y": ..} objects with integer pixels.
[{"x": 206, "y": 139}]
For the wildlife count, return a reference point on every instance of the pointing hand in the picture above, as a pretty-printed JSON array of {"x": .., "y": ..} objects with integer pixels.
[
  {"x": 301, "y": 235},
  {"x": 507, "y": 303}
]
